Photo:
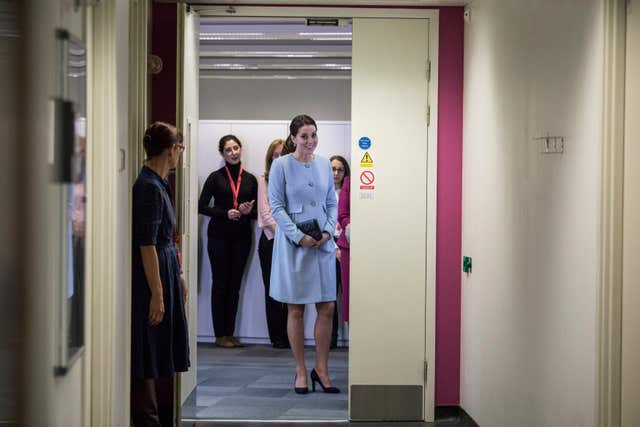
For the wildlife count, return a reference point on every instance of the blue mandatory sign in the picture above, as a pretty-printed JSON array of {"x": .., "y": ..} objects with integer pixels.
[{"x": 364, "y": 143}]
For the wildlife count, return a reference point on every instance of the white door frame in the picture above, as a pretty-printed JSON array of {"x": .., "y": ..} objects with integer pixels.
[
  {"x": 610, "y": 269},
  {"x": 630, "y": 411},
  {"x": 186, "y": 192},
  {"x": 433, "y": 16},
  {"x": 102, "y": 213},
  {"x": 106, "y": 404}
]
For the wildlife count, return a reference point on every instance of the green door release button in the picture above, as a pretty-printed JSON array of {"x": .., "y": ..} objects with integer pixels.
[{"x": 466, "y": 264}]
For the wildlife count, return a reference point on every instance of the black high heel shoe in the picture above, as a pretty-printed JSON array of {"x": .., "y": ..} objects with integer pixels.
[
  {"x": 299, "y": 390},
  {"x": 316, "y": 379}
]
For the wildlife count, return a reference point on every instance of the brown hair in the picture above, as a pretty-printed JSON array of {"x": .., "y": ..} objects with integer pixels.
[
  {"x": 288, "y": 146},
  {"x": 345, "y": 165},
  {"x": 223, "y": 141},
  {"x": 298, "y": 121},
  {"x": 269, "y": 157},
  {"x": 160, "y": 136}
]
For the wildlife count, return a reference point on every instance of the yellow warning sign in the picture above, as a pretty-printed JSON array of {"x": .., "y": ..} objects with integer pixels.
[{"x": 367, "y": 161}]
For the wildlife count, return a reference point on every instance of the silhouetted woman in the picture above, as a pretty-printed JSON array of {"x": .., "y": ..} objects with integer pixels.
[{"x": 159, "y": 338}]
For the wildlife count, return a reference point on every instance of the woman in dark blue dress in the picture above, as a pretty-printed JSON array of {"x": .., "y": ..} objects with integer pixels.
[{"x": 159, "y": 338}]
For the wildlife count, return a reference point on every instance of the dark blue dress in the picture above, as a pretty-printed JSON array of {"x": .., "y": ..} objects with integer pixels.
[{"x": 156, "y": 351}]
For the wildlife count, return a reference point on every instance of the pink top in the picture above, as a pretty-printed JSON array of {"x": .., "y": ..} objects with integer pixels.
[
  {"x": 344, "y": 211},
  {"x": 264, "y": 210}
]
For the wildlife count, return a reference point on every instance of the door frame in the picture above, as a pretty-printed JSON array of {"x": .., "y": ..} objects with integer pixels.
[
  {"x": 611, "y": 237},
  {"x": 283, "y": 10},
  {"x": 104, "y": 402}
]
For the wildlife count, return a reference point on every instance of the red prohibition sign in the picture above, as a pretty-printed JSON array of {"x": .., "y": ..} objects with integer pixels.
[{"x": 367, "y": 178}]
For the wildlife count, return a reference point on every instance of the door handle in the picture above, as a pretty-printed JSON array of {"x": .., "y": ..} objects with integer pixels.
[{"x": 122, "y": 160}]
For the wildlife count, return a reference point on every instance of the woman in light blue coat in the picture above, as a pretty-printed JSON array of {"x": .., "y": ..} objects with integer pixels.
[{"x": 303, "y": 269}]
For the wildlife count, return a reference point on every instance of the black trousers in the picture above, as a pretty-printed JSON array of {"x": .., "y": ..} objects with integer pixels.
[
  {"x": 152, "y": 402},
  {"x": 276, "y": 311},
  {"x": 228, "y": 258}
]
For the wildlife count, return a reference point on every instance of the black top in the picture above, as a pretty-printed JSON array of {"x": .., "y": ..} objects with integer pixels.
[{"x": 217, "y": 186}]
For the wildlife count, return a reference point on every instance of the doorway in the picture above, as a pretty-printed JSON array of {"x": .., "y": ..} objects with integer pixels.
[
  {"x": 257, "y": 67},
  {"x": 392, "y": 309}
]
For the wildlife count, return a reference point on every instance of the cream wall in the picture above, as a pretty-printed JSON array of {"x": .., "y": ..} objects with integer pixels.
[
  {"x": 528, "y": 344},
  {"x": 631, "y": 269}
]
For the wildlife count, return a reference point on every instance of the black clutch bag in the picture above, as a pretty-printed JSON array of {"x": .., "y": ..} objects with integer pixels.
[{"x": 311, "y": 228}]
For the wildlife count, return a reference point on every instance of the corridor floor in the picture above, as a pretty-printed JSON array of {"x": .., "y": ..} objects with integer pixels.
[
  {"x": 256, "y": 383},
  {"x": 252, "y": 386}
]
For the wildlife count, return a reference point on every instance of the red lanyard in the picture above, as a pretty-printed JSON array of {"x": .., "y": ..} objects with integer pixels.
[{"x": 235, "y": 188}]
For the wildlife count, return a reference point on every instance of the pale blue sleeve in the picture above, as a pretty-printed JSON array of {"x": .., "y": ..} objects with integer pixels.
[
  {"x": 278, "y": 203},
  {"x": 332, "y": 205}
]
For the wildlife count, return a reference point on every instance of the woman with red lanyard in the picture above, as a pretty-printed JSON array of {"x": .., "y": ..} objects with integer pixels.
[{"x": 234, "y": 192}]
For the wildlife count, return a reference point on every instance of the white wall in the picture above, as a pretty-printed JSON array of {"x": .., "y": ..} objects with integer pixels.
[
  {"x": 255, "y": 136},
  {"x": 530, "y": 220},
  {"x": 631, "y": 290},
  {"x": 273, "y": 99}
]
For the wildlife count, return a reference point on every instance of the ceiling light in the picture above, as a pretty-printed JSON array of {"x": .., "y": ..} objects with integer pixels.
[
  {"x": 330, "y": 38},
  {"x": 326, "y": 34},
  {"x": 230, "y": 34}
]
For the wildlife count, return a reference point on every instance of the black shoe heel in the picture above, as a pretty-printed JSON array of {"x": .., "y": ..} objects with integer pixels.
[
  {"x": 299, "y": 390},
  {"x": 315, "y": 378}
]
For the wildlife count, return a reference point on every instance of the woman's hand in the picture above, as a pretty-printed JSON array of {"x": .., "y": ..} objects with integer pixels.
[
  {"x": 156, "y": 309},
  {"x": 308, "y": 241},
  {"x": 185, "y": 289},
  {"x": 325, "y": 238},
  {"x": 233, "y": 214},
  {"x": 338, "y": 254},
  {"x": 245, "y": 208}
]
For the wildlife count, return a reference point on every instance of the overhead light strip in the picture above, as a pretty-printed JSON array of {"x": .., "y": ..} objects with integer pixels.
[
  {"x": 273, "y": 54},
  {"x": 282, "y": 36},
  {"x": 275, "y": 77},
  {"x": 349, "y": 34},
  {"x": 233, "y": 67}
]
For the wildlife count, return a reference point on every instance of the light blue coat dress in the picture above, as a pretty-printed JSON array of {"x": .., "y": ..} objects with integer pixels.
[{"x": 299, "y": 192}]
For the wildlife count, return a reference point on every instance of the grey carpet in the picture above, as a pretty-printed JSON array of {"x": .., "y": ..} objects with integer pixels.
[{"x": 256, "y": 383}]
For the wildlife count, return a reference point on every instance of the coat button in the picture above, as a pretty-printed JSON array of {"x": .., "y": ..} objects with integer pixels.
[
  {"x": 313, "y": 204},
  {"x": 310, "y": 184}
]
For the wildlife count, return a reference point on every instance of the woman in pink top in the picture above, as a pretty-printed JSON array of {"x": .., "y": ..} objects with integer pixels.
[
  {"x": 344, "y": 219},
  {"x": 276, "y": 311},
  {"x": 341, "y": 172}
]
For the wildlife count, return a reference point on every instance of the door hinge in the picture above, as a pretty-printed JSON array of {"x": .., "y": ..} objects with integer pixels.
[
  {"x": 428, "y": 115},
  {"x": 426, "y": 371},
  {"x": 428, "y": 70}
]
